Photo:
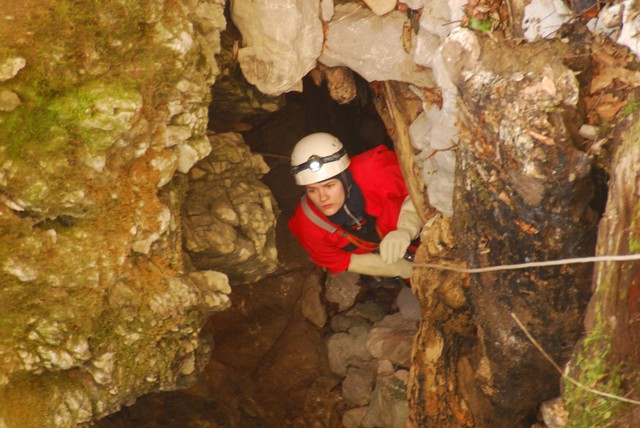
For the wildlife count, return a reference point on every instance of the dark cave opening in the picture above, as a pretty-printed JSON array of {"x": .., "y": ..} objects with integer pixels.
[
  {"x": 356, "y": 124},
  {"x": 229, "y": 393}
]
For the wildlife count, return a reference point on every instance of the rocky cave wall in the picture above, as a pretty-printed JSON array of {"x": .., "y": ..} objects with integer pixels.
[
  {"x": 102, "y": 106},
  {"x": 103, "y": 115}
]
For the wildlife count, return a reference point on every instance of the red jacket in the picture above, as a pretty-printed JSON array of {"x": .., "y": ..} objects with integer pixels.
[{"x": 378, "y": 175}]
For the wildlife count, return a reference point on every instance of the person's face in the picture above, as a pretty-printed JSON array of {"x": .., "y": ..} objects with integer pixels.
[{"x": 327, "y": 196}]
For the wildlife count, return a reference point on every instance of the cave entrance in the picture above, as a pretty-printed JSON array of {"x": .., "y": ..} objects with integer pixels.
[
  {"x": 273, "y": 135},
  {"x": 270, "y": 365}
]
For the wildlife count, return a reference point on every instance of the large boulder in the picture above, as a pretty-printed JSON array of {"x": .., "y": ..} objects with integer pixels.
[{"x": 229, "y": 215}]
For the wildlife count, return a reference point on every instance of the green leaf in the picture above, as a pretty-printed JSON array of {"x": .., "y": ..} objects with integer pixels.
[{"x": 480, "y": 25}]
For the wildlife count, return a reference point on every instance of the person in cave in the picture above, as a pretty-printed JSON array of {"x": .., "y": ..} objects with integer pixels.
[{"x": 356, "y": 214}]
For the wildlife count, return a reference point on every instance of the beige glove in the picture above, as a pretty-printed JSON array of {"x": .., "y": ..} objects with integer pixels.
[
  {"x": 394, "y": 245},
  {"x": 372, "y": 264}
]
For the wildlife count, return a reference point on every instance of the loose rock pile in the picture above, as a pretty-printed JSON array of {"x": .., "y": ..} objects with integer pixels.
[{"x": 371, "y": 329}]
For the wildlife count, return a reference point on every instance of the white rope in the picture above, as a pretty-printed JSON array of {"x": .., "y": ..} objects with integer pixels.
[
  {"x": 592, "y": 259},
  {"x": 605, "y": 258},
  {"x": 563, "y": 374}
]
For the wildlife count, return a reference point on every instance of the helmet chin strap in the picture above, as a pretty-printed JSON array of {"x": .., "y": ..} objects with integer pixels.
[
  {"x": 346, "y": 209},
  {"x": 347, "y": 193},
  {"x": 352, "y": 210}
]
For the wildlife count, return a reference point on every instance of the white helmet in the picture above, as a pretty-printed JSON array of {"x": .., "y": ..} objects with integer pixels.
[{"x": 318, "y": 157}]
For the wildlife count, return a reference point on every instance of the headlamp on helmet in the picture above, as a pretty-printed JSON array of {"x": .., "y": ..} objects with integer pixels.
[
  {"x": 315, "y": 162},
  {"x": 318, "y": 157}
]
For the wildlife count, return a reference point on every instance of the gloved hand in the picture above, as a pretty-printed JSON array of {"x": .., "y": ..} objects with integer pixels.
[
  {"x": 394, "y": 245},
  {"x": 372, "y": 264}
]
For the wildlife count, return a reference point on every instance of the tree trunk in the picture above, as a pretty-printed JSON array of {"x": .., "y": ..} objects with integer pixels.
[
  {"x": 398, "y": 107},
  {"x": 440, "y": 370},
  {"x": 607, "y": 359},
  {"x": 522, "y": 194}
]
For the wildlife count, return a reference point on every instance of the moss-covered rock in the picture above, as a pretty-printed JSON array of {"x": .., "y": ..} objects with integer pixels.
[{"x": 96, "y": 305}]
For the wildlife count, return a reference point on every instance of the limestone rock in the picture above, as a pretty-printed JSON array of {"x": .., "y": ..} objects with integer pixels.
[
  {"x": 381, "y": 7},
  {"x": 368, "y": 310},
  {"x": 392, "y": 339},
  {"x": 543, "y": 18},
  {"x": 461, "y": 52},
  {"x": 9, "y": 67},
  {"x": 413, "y": 4},
  {"x": 434, "y": 131},
  {"x": 311, "y": 304},
  {"x": 344, "y": 323},
  {"x": 8, "y": 100},
  {"x": 235, "y": 100},
  {"x": 357, "y": 386},
  {"x": 352, "y": 418},
  {"x": 629, "y": 34},
  {"x": 229, "y": 215},
  {"x": 389, "y": 407},
  {"x": 408, "y": 305},
  {"x": 554, "y": 413},
  {"x": 326, "y": 10},
  {"x": 191, "y": 152},
  {"x": 341, "y": 84},
  {"x": 342, "y": 289},
  {"x": 98, "y": 307},
  {"x": 282, "y": 40},
  {"x": 348, "y": 349},
  {"x": 371, "y": 46},
  {"x": 609, "y": 21}
]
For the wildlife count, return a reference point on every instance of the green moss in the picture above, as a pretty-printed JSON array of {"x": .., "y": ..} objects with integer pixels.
[
  {"x": 634, "y": 239},
  {"x": 96, "y": 114},
  {"x": 22, "y": 302},
  {"x": 483, "y": 25},
  {"x": 26, "y": 399},
  {"x": 587, "y": 409},
  {"x": 69, "y": 46},
  {"x": 89, "y": 65},
  {"x": 631, "y": 106},
  {"x": 155, "y": 344},
  {"x": 38, "y": 127},
  {"x": 397, "y": 389}
]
